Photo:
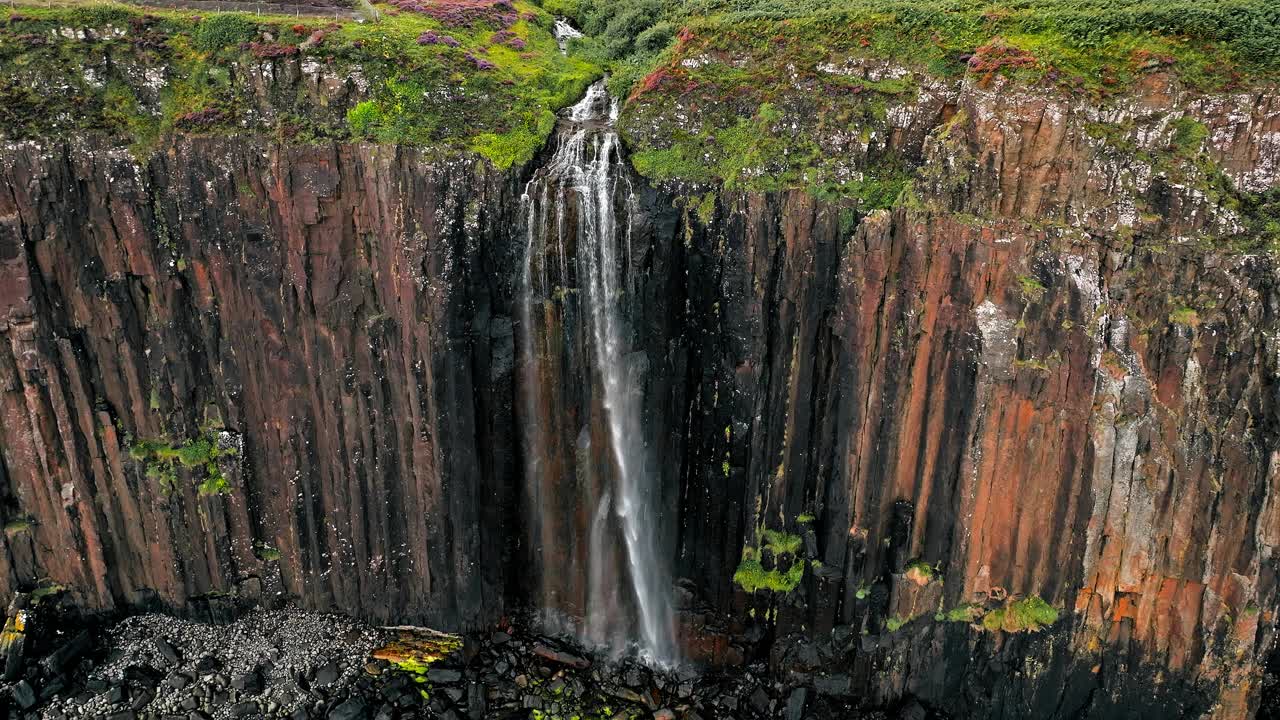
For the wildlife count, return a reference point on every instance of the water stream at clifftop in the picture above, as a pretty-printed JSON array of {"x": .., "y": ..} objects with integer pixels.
[{"x": 592, "y": 506}]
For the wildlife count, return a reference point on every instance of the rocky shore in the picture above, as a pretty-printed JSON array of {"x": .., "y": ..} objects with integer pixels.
[{"x": 296, "y": 664}]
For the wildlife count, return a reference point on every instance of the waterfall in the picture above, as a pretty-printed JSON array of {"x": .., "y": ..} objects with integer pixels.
[{"x": 574, "y": 238}]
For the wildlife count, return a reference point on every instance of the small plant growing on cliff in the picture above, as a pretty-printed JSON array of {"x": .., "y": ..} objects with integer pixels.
[
  {"x": 919, "y": 572},
  {"x": 1027, "y": 615},
  {"x": 752, "y": 577},
  {"x": 964, "y": 613},
  {"x": 1032, "y": 289},
  {"x": 19, "y": 524},
  {"x": 1185, "y": 316},
  {"x": 162, "y": 460},
  {"x": 895, "y": 623},
  {"x": 266, "y": 553}
]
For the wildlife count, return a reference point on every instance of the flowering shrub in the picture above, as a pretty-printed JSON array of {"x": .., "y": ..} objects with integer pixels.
[
  {"x": 480, "y": 63},
  {"x": 430, "y": 37},
  {"x": 996, "y": 56},
  {"x": 463, "y": 13}
]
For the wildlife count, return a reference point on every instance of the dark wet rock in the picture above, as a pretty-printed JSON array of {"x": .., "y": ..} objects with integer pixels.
[
  {"x": 327, "y": 675},
  {"x": 245, "y": 708},
  {"x": 839, "y": 685},
  {"x": 351, "y": 709},
  {"x": 796, "y": 704},
  {"x": 141, "y": 700},
  {"x": 23, "y": 694},
  {"x": 115, "y": 695},
  {"x": 142, "y": 674},
  {"x": 443, "y": 675},
  {"x": 759, "y": 700},
  {"x": 249, "y": 683},
  {"x": 177, "y": 681},
  {"x": 208, "y": 664},
  {"x": 168, "y": 651}
]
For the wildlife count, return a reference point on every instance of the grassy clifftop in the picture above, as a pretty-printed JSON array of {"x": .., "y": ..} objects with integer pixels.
[
  {"x": 828, "y": 95},
  {"x": 1080, "y": 44},
  {"x": 479, "y": 75}
]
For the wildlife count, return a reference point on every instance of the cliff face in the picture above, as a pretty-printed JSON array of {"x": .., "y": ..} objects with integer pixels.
[
  {"x": 1016, "y": 382},
  {"x": 1046, "y": 372},
  {"x": 320, "y": 307}
]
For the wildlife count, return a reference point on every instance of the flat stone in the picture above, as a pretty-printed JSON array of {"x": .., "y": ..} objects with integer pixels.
[
  {"x": 249, "y": 683},
  {"x": 327, "y": 675},
  {"x": 561, "y": 657},
  {"x": 177, "y": 681},
  {"x": 244, "y": 708},
  {"x": 168, "y": 651},
  {"x": 443, "y": 675}
]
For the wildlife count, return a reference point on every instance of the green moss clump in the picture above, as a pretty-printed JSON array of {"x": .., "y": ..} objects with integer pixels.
[
  {"x": 1185, "y": 316},
  {"x": 752, "y": 577},
  {"x": 895, "y": 623},
  {"x": 162, "y": 460},
  {"x": 1028, "y": 615},
  {"x": 965, "y": 613},
  {"x": 266, "y": 553},
  {"x": 781, "y": 543},
  {"x": 19, "y": 525},
  {"x": 1032, "y": 288},
  {"x": 45, "y": 591},
  {"x": 919, "y": 571}
]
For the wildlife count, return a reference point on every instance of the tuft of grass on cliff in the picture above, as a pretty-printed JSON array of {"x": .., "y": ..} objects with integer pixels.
[
  {"x": 759, "y": 85},
  {"x": 488, "y": 82}
]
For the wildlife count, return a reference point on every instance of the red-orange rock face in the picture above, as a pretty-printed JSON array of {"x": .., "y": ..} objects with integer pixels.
[
  {"x": 322, "y": 304},
  {"x": 1040, "y": 377}
]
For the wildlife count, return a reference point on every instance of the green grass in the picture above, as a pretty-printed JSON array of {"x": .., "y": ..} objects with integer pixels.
[
  {"x": 1085, "y": 41},
  {"x": 748, "y": 94},
  {"x": 427, "y": 95}
]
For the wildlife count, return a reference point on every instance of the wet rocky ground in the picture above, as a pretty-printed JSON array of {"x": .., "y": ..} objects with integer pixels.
[{"x": 298, "y": 665}]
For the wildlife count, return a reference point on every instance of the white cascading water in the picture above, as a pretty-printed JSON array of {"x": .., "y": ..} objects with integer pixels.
[{"x": 587, "y": 167}]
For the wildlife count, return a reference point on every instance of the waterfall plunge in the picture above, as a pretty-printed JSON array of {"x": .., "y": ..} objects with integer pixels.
[{"x": 570, "y": 209}]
